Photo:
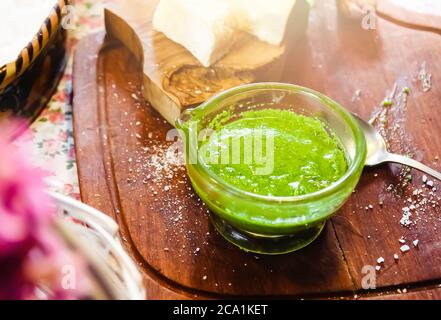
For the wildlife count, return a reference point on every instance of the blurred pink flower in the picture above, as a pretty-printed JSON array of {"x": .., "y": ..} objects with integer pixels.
[
  {"x": 68, "y": 188},
  {"x": 63, "y": 135},
  {"x": 23, "y": 204},
  {"x": 56, "y": 117},
  {"x": 51, "y": 146},
  {"x": 30, "y": 251},
  {"x": 71, "y": 152}
]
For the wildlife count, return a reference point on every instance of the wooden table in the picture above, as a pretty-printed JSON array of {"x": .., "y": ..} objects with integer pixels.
[{"x": 182, "y": 257}]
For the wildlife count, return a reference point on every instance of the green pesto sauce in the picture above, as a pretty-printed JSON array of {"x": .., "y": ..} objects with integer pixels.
[{"x": 307, "y": 157}]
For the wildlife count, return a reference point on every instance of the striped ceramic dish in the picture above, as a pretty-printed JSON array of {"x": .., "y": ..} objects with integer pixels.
[{"x": 27, "y": 83}]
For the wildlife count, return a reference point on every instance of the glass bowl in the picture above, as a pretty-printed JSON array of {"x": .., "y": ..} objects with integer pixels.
[{"x": 270, "y": 224}]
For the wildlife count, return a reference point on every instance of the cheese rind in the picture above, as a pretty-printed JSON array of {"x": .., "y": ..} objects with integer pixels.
[{"x": 204, "y": 27}]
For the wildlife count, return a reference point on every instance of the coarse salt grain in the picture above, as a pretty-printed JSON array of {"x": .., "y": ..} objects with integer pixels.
[
  {"x": 405, "y": 248},
  {"x": 405, "y": 219}
]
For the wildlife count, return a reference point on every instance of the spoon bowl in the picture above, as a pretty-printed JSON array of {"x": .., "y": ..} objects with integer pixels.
[{"x": 376, "y": 146}]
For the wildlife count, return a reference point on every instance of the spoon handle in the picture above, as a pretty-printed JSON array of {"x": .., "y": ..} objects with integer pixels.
[{"x": 414, "y": 164}]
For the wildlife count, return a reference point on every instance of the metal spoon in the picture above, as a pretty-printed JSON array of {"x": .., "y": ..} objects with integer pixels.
[{"x": 377, "y": 152}]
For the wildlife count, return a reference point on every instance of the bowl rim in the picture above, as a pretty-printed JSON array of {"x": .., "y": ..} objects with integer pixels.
[
  {"x": 355, "y": 167},
  {"x": 14, "y": 69}
]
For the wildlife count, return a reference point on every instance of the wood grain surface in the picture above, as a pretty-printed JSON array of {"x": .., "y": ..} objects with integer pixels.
[{"x": 165, "y": 227}]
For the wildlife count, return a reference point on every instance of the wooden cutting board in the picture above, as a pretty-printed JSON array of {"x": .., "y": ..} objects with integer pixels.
[
  {"x": 175, "y": 80},
  {"x": 119, "y": 139},
  {"x": 423, "y": 14}
]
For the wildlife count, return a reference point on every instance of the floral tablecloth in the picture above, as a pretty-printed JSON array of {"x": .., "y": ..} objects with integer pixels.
[{"x": 50, "y": 139}]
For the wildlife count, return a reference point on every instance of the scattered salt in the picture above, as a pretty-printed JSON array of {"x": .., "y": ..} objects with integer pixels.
[
  {"x": 425, "y": 78},
  {"x": 405, "y": 219}
]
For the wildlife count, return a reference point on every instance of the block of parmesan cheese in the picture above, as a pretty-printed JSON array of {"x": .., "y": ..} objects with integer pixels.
[
  {"x": 265, "y": 19},
  {"x": 206, "y": 28},
  {"x": 209, "y": 28}
]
